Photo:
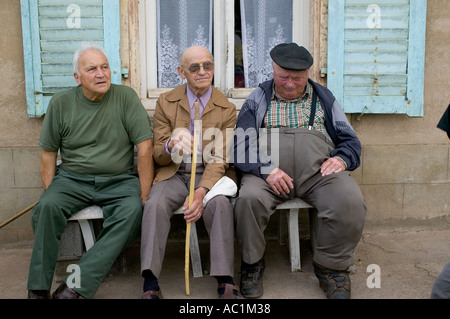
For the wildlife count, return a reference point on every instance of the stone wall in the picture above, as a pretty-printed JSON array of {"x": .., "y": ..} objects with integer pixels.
[{"x": 405, "y": 171}]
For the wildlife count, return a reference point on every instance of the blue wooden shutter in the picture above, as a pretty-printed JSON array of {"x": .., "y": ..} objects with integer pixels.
[
  {"x": 376, "y": 54},
  {"x": 52, "y": 31}
]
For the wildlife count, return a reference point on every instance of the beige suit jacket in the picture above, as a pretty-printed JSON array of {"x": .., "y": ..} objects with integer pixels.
[{"x": 218, "y": 123}]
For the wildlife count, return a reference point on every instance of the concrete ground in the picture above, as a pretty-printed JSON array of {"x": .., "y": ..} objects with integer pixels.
[{"x": 407, "y": 258}]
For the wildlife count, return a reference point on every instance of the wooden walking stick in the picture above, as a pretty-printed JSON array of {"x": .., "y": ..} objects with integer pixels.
[
  {"x": 191, "y": 195},
  {"x": 17, "y": 215}
]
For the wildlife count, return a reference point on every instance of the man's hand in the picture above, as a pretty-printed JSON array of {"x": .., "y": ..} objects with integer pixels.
[
  {"x": 181, "y": 141},
  {"x": 280, "y": 182},
  {"x": 332, "y": 165},
  {"x": 193, "y": 213}
]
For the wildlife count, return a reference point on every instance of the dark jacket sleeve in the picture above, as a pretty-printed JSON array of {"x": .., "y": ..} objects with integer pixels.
[
  {"x": 246, "y": 139},
  {"x": 347, "y": 144},
  {"x": 247, "y": 155}
]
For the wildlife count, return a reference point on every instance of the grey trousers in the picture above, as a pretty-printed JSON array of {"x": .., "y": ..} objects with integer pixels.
[
  {"x": 167, "y": 196},
  {"x": 337, "y": 198}
]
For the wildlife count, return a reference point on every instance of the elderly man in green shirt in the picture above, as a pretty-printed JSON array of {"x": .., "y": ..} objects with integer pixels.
[{"x": 95, "y": 126}]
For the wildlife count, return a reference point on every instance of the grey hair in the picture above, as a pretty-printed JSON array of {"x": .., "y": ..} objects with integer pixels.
[{"x": 86, "y": 46}]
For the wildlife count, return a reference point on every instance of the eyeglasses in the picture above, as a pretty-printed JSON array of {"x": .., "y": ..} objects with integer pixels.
[{"x": 207, "y": 66}]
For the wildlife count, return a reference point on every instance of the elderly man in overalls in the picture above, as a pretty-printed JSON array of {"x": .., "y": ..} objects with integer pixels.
[{"x": 293, "y": 140}]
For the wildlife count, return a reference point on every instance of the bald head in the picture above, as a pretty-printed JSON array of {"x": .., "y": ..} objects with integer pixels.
[
  {"x": 194, "y": 52},
  {"x": 197, "y": 67}
]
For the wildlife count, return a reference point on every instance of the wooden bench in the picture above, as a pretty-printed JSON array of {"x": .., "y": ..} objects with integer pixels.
[
  {"x": 287, "y": 223},
  {"x": 288, "y": 227},
  {"x": 289, "y": 215},
  {"x": 288, "y": 212},
  {"x": 85, "y": 218}
]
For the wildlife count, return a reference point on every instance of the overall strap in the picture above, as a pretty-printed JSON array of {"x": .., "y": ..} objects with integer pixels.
[{"x": 313, "y": 110}]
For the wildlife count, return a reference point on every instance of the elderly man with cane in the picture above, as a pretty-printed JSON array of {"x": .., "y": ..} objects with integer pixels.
[{"x": 176, "y": 114}]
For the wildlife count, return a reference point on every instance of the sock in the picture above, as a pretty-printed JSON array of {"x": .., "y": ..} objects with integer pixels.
[
  {"x": 150, "y": 281},
  {"x": 225, "y": 280}
]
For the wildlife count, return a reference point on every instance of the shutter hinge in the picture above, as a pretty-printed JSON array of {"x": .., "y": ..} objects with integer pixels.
[
  {"x": 125, "y": 73},
  {"x": 323, "y": 72}
]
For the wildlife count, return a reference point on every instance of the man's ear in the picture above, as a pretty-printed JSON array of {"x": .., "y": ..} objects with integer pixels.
[
  {"x": 77, "y": 78},
  {"x": 181, "y": 72}
]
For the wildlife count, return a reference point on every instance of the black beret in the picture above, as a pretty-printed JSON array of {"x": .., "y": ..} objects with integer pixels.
[{"x": 291, "y": 56}]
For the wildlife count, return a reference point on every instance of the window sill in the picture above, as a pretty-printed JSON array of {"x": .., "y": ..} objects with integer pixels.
[{"x": 235, "y": 96}]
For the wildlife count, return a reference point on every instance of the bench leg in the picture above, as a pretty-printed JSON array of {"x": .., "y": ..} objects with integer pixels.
[
  {"x": 195, "y": 253},
  {"x": 87, "y": 229},
  {"x": 294, "y": 239},
  {"x": 282, "y": 226},
  {"x": 313, "y": 224}
]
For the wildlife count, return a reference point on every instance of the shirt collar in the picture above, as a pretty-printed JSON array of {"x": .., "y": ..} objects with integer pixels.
[
  {"x": 204, "y": 99},
  {"x": 301, "y": 97}
]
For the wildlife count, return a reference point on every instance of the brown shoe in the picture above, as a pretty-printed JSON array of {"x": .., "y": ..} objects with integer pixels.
[
  {"x": 64, "y": 292},
  {"x": 38, "y": 294},
  {"x": 230, "y": 291},
  {"x": 152, "y": 294}
]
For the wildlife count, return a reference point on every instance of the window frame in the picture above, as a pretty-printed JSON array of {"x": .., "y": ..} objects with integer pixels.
[{"x": 223, "y": 47}]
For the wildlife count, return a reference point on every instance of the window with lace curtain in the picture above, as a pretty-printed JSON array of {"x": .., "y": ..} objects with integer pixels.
[
  {"x": 264, "y": 24},
  {"x": 239, "y": 33},
  {"x": 180, "y": 24}
]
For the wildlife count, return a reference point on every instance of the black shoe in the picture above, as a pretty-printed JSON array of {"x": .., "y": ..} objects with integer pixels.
[
  {"x": 64, "y": 292},
  {"x": 38, "y": 294},
  {"x": 251, "y": 285},
  {"x": 335, "y": 283}
]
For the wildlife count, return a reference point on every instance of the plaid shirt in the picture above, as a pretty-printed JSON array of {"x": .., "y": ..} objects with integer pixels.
[{"x": 295, "y": 113}]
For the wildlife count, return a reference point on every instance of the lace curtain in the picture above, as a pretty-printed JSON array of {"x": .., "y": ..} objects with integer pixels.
[
  {"x": 181, "y": 24},
  {"x": 265, "y": 23}
]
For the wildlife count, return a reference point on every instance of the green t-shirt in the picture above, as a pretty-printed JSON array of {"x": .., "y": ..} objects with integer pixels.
[{"x": 96, "y": 138}]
